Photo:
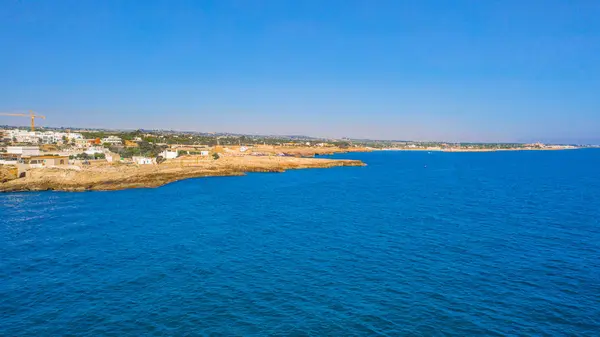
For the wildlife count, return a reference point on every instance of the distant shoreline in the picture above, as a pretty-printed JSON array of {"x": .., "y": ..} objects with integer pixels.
[{"x": 479, "y": 150}]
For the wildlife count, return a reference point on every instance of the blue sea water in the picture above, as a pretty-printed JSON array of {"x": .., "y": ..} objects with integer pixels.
[{"x": 414, "y": 244}]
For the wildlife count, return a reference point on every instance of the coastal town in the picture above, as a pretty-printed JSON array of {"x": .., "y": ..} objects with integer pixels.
[{"x": 85, "y": 159}]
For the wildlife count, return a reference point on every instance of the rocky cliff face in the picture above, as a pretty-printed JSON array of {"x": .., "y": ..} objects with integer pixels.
[{"x": 7, "y": 173}]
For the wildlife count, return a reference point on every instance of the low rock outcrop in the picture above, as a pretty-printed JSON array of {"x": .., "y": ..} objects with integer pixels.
[{"x": 120, "y": 176}]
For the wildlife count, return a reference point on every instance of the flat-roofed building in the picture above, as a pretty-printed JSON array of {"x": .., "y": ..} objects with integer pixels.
[
  {"x": 45, "y": 161},
  {"x": 24, "y": 150}
]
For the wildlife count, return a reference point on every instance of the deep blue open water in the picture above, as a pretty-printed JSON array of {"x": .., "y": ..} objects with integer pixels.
[{"x": 414, "y": 244}]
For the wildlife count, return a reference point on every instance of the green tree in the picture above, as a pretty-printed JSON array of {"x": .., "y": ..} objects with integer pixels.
[{"x": 82, "y": 156}]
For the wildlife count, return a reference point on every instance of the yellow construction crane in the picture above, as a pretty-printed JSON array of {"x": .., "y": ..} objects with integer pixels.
[{"x": 31, "y": 114}]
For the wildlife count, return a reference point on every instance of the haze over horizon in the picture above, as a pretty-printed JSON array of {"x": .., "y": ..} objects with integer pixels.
[{"x": 492, "y": 71}]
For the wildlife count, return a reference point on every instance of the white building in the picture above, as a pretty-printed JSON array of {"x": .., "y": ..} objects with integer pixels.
[
  {"x": 25, "y": 151},
  {"x": 113, "y": 140},
  {"x": 169, "y": 154},
  {"x": 204, "y": 153},
  {"x": 22, "y": 136},
  {"x": 92, "y": 150},
  {"x": 46, "y": 137},
  {"x": 142, "y": 160},
  {"x": 71, "y": 136}
]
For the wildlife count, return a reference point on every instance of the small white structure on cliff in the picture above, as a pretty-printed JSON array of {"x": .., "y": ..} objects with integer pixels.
[
  {"x": 142, "y": 160},
  {"x": 169, "y": 154}
]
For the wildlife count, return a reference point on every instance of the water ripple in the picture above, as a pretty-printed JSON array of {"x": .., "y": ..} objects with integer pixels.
[{"x": 500, "y": 244}]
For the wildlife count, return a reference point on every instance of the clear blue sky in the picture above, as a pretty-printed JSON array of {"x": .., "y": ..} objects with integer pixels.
[{"x": 455, "y": 70}]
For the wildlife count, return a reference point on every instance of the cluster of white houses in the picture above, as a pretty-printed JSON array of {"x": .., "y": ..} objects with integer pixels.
[
  {"x": 30, "y": 156},
  {"x": 54, "y": 137},
  {"x": 34, "y": 158},
  {"x": 40, "y": 137}
]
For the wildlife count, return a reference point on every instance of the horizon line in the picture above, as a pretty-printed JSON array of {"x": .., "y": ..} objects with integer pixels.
[{"x": 289, "y": 135}]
